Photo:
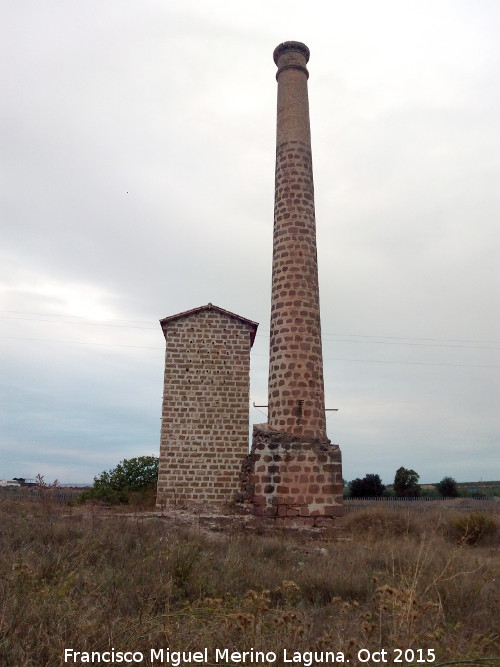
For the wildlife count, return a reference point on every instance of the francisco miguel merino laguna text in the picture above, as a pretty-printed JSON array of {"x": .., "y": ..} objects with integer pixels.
[
  {"x": 177, "y": 658},
  {"x": 225, "y": 655}
]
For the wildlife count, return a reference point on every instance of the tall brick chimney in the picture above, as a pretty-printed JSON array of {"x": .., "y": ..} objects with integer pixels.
[
  {"x": 296, "y": 389},
  {"x": 293, "y": 475}
]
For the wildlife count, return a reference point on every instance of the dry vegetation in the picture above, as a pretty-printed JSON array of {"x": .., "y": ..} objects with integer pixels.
[{"x": 91, "y": 583}]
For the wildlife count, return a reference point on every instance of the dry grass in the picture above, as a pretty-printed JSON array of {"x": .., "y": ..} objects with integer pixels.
[{"x": 91, "y": 583}]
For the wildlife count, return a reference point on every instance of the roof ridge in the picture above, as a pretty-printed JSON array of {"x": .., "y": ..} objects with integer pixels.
[{"x": 210, "y": 306}]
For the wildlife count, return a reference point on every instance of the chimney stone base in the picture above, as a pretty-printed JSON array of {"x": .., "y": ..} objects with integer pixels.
[{"x": 293, "y": 481}]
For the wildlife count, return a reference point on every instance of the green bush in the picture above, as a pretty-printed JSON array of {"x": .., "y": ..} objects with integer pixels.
[
  {"x": 406, "y": 483},
  {"x": 132, "y": 478},
  {"x": 473, "y": 528},
  {"x": 447, "y": 488},
  {"x": 370, "y": 486}
]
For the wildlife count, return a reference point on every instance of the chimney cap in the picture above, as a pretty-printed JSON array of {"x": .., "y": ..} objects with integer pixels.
[{"x": 291, "y": 46}]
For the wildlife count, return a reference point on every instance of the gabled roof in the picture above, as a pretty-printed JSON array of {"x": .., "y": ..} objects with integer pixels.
[{"x": 187, "y": 313}]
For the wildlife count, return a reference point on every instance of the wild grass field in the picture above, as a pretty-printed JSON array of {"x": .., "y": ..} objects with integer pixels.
[{"x": 75, "y": 579}]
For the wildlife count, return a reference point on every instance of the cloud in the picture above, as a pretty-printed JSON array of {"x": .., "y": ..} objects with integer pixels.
[{"x": 138, "y": 145}]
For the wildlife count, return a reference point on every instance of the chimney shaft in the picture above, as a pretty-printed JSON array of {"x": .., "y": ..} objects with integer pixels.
[{"x": 296, "y": 389}]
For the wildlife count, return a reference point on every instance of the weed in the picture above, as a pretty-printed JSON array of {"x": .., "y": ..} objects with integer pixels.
[
  {"x": 378, "y": 523},
  {"x": 473, "y": 528},
  {"x": 89, "y": 582}
]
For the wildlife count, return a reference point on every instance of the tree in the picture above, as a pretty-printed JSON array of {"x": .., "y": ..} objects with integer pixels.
[
  {"x": 369, "y": 486},
  {"x": 406, "y": 483},
  {"x": 448, "y": 488},
  {"x": 130, "y": 476}
]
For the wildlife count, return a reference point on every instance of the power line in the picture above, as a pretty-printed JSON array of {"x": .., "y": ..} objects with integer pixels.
[
  {"x": 344, "y": 335},
  {"x": 443, "y": 340},
  {"x": 90, "y": 324},
  {"x": 144, "y": 347},
  {"x": 338, "y": 340},
  {"x": 80, "y": 342},
  {"x": 388, "y": 340},
  {"x": 344, "y": 339},
  {"x": 412, "y": 363},
  {"x": 79, "y": 317},
  {"x": 449, "y": 340}
]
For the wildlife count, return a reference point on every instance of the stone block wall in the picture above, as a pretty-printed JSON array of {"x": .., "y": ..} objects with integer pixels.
[
  {"x": 205, "y": 415},
  {"x": 293, "y": 480}
]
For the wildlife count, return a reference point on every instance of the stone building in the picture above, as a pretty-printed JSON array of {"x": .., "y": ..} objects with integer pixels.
[
  {"x": 204, "y": 434},
  {"x": 294, "y": 476}
]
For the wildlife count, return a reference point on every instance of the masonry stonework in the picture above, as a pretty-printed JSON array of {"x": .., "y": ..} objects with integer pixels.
[
  {"x": 293, "y": 479},
  {"x": 296, "y": 393},
  {"x": 293, "y": 475},
  {"x": 204, "y": 434}
]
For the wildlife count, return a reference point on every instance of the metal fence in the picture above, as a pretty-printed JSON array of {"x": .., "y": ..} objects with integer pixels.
[
  {"x": 490, "y": 505},
  {"x": 35, "y": 493}
]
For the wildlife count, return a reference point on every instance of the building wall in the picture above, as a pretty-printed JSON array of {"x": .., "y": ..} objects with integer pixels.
[{"x": 204, "y": 435}]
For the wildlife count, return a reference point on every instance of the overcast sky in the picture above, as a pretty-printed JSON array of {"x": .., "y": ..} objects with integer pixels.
[{"x": 137, "y": 147}]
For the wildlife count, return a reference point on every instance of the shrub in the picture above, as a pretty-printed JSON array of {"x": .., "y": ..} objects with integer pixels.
[
  {"x": 369, "y": 487},
  {"x": 95, "y": 581},
  {"x": 131, "y": 478},
  {"x": 448, "y": 488},
  {"x": 473, "y": 528},
  {"x": 406, "y": 483},
  {"x": 378, "y": 522}
]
